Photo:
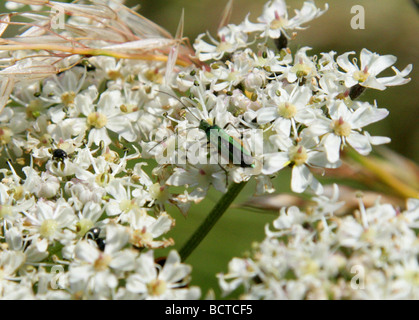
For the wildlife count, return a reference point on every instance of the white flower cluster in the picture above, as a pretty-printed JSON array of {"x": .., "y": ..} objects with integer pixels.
[
  {"x": 86, "y": 219},
  {"x": 87, "y": 207},
  {"x": 371, "y": 253},
  {"x": 304, "y": 106}
]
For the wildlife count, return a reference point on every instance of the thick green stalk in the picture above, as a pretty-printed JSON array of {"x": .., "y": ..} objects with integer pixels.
[{"x": 211, "y": 219}]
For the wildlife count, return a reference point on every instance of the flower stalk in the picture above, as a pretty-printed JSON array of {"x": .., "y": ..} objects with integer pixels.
[
  {"x": 222, "y": 205},
  {"x": 93, "y": 52}
]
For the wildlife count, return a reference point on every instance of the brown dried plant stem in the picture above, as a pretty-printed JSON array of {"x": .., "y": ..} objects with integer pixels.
[
  {"x": 92, "y": 52},
  {"x": 399, "y": 187},
  {"x": 215, "y": 214}
]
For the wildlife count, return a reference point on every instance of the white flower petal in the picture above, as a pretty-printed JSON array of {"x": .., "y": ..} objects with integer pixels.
[
  {"x": 360, "y": 143},
  {"x": 301, "y": 178},
  {"x": 274, "y": 162},
  {"x": 332, "y": 145}
]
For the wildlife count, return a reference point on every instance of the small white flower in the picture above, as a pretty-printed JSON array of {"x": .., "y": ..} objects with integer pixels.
[
  {"x": 345, "y": 126},
  {"x": 372, "y": 64},
  {"x": 100, "y": 270},
  {"x": 107, "y": 116},
  {"x": 301, "y": 156},
  {"x": 230, "y": 38},
  {"x": 274, "y": 20},
  {"x": 151, "y": 281},
  {"x": 48, "y": 219}
]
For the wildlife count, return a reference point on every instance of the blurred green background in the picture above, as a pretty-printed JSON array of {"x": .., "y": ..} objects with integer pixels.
[{"x": 391, "y": 27}]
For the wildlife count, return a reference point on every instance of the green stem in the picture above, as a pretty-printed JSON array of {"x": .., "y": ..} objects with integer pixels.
[{"x": 211, "y": 219}]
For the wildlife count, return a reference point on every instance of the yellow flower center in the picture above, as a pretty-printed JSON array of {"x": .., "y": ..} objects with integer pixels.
[
  {"x": 224, "y": 46},
  {"x": 279, "y": 22},
  {"x": 114, "y": 74},
  {"x": 128, "y": 205},
  {"x": 156, "y": 287},
  {"x": 301, "y": 69},
  {"x": 159, "y": 192},
  {"x": 97, "y": 120},
  {"x": 141, "y": 238},
  {"x": 154, "y": 76},
  {"x": 298, "y": 155},
  {"x": 287, "y": 110},
  {"x": 67, "y": 98},
  {"x": 361, "y": 76},
  {"x": 341, "y": 128},
  {"x": 102, "y": 263},
  {"x": 311, "y": 267},
  {"x": 48, "y": 228}
]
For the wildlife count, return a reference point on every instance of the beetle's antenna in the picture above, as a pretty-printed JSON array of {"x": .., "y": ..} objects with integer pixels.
[{"x": 181, "y": 102}]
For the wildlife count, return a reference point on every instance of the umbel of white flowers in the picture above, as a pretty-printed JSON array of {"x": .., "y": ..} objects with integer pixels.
[{"x": 80, "y": 216}]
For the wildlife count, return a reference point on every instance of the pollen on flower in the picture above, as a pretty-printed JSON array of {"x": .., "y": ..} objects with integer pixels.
[
  {"x": 102, "y": 262},
  {"x": 97, "y": 120},
  {"x": 341, "y": 128},
  {"x": 287, "y": 110},
  {"x": 156, "y": 287},
  {"x": 298, "y": 155},
  {"x": 67, "y": 98},
  {"x": 301, "y": 69},
  {"x": 154, "y": 76},
  {"x": 224, "y": 46},
  {"x": 48, "y": 228},
  {"x": 278, "y": 22},
  {"x": 127, "y": 205},
  {"x": 311, "y": 267},
  {"x": 141, "y": 237},
  {"x": 114, "y": 74},
  {"x": 110, "y": 156},
  {"x": 361, "y": 76},
  {"x": 159, "y": 193}
]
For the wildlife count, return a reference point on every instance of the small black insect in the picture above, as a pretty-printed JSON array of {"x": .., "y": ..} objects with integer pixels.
[
  {"x": 59, "y": 154},
  {"x": 86, "y": 64},
  {"x": 281, "y": 42},
  {"x": 93, "y": 234},
  {"x": 101, "y": 243}
]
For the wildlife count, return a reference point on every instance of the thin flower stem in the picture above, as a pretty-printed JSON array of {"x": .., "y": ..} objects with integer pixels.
[
  {"x": 398, "y": 186},
  {"x": 211, "y": 219}
]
